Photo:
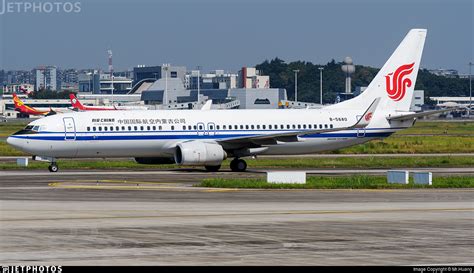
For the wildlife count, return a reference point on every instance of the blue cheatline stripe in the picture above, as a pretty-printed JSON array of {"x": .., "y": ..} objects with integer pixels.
[
  {"x": 218, "y": 131},
  {"x": 155, "y": 137}
]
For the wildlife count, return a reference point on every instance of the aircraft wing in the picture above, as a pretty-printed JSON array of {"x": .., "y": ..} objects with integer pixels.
[
  {"x": 271, "y": 139},
  {"x": 408, "y": 116}
]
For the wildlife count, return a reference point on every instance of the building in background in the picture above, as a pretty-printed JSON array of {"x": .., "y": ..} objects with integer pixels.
[
  {"x": 18, "y": 76},
  {"x": 249, "y": 77},
  {"x": 89, "y": 81},
  {"x": 45, "y": 78},
  {"x": 418, "y": 101},
  {"x": 216, "y": 79},
  {"x": 22, "y": 88},
  {"x": 114, "y": 85},
  {"x": 449, "y": 73},
  {"x": 143, "y": 72}
]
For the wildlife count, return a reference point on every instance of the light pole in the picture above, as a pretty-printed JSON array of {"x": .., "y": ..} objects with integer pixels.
[
  {"x": 112, "y": 89},
  {"x": 165, "y": 94},
  {"x": 321, "y": 85},
  {"x": 199, "y": 82},
  {"x": 470, "y": 90},
  {"x": 296, "y": 84}
]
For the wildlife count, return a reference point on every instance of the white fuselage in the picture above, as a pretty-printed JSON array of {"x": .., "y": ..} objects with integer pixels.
[{"x": 155, "y": 133}]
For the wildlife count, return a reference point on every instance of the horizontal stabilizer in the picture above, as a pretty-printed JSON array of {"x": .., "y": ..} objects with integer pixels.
[{"x": 408, "y": 116}]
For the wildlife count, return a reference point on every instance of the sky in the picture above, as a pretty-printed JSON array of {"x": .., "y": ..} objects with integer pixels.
[{"x": 229, "y": 34}]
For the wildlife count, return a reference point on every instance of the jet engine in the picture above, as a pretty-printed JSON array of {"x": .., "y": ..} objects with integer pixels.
[{"x": 199, "y": 154}]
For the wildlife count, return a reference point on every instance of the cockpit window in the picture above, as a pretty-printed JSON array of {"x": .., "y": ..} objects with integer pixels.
[{"x": 28, "y": 130}]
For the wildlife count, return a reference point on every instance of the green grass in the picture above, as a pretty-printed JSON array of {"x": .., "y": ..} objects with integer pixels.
[
  {"x": 8, "y": 128},
  {"x": 441, "y": 128},
  {"x": 351, "y": 182},
  {"x": 7, "y": 150},
  {"x": 274, "y": 163},
  {"x": 365, "y": 162},
  {"x": 400, "y": 144}
]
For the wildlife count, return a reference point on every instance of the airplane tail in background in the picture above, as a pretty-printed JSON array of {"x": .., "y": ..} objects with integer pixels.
[
  {"x": 76, "y": 104},
  {"x": 17, "y": 102},
  {"x": 395, "y": 82},
  {"x": 22, "y": 108}
]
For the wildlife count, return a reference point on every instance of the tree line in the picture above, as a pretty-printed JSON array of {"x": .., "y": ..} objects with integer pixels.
[{"x": 282, "y": 76}]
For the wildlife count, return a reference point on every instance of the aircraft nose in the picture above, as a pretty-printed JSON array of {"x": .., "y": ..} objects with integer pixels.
[{"x": 14, "y": 142}]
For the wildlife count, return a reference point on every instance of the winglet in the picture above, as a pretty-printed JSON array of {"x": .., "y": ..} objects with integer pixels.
[
  {"x": 365, "y": 119},
  {"x": 207, "y": 106}
]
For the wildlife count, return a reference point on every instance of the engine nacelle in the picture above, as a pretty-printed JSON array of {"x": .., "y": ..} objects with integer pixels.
[
  {"x": 199, "y": 153},
  {"x": 154, "y": 160}
]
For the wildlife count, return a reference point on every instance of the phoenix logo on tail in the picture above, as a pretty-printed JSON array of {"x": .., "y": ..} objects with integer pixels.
[
  {"x": 25, "y": 109},
  {"x": 399, "y": 82}
]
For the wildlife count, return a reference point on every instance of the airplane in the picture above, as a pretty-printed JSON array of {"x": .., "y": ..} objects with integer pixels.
[
  {"x": 21, "y": 107},
  {"x": 24, "y": 91},
  {"x": 207, "y": 137},
  {"x": 77, "y": 105}
]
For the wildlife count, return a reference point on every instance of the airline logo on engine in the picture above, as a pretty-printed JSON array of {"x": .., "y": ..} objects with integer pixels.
[{"x": 398, "y": 81}]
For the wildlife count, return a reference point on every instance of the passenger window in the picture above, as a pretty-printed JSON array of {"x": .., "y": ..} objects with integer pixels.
[
  {"x": 190, "y": 128},
  {"x": 325, "y": 126},
  {"x": 246, "y": 127},
  {"x": 200, "y": 127},
  {"x": 320, "y": 126},
  {"x": 135, "y": 128},
  {"x": 100, "y": 128},
  {"x": 294, "y": 126},
  {"x": 304, "y": 126},
  {"x": 184, "y": 127},
  {"x": 172, "y": 127},
  {"x": 269, "y": 126},
  {"x": 288, "y": 126},
  {"x": 195, "y": 128},
  {"x": 263, "y": 127},
  {"x": 217, "y": 127},
  {"x": 299, "y": 126},
  {"x": 105, "y": 128},
  {"x": 160, "y": 127},
  {"x": 111, "y": 128},
  {"x": 224, "y": 127},
  {"x": 93, "y": 128},
  {"x": 148, "y": 128},
  {"x": 129, "y": 128},
  {"x": 154, "y": 128},
  {"x": 141, "y": 128},
  {"x": 241, "y": 127},
  {"x": 330, "y": 126},
  {"x": 88, "y": 129},
  {"x": 252, "y": 126},
  {"x": 117, "y": 128},
  {"x": 309, "y": 126},
  {"x": 211, "y": 127}
]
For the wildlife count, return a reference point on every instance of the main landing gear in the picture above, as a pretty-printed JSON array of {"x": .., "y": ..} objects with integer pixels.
[{"x": 238, "y": 165}]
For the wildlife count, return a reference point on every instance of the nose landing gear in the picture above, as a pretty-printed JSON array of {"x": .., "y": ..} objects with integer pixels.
[{"x": 53, "y": 167}]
